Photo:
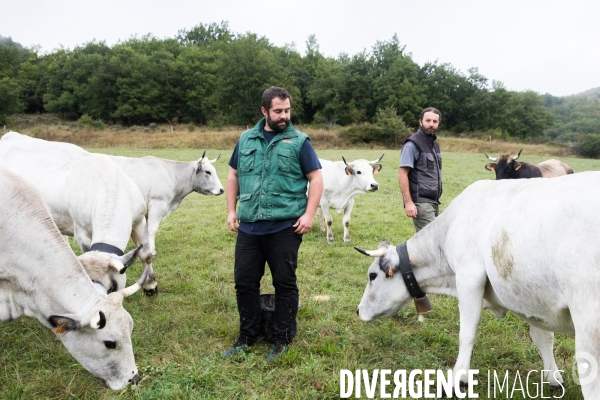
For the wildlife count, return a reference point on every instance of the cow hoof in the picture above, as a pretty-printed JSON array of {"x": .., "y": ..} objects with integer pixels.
[{"x": 151, "y": 292}]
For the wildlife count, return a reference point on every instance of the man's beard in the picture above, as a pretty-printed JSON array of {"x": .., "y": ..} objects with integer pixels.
[
  {"x": 430, "y": 131},
  {"x": 274, "y": 125}
]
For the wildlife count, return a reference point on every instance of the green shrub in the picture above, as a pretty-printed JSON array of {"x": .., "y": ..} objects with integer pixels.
[
  {"x": 191, "y": 127},
  {"x": 362, "y": 133},
  {"x": 589, "y": 146},
  {"x": 85, "y": 121},
  {"x": 391, "y": 125},
  {"x": 389, "y": 128}
]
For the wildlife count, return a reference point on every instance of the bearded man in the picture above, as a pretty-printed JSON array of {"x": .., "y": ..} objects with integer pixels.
[
  {"x": 270, "y": 168},
  {"x": 420, "y": 172}
]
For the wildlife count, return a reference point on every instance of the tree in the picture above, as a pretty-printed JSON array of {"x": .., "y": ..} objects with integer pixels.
[
  {"x": 396, "y": 81},
  {"x": 204, "y": 35},
  {"x": 10, "y": 102},
  {"x": 245, "y": 69}
]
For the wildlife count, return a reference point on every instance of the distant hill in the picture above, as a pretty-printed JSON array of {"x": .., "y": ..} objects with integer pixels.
[
  {"x": 589, "y": 94},
  {"x": 7, "y": 41}
]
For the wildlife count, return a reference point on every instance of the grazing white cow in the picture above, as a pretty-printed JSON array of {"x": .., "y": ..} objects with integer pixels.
[
  {"x": 165, "y": 183},
  {"x": 527, "y": 246},
  {"x": 341, "y": 182},
  {"x": 40, "y": 277},
  {"x": 88, "y": 195}
]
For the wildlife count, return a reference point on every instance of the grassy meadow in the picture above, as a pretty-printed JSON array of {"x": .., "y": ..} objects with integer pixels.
[{"x": 179, "y": 335}]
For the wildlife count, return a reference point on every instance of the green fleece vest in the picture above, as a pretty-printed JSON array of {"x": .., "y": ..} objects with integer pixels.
[{"x": 272, "y": 185}]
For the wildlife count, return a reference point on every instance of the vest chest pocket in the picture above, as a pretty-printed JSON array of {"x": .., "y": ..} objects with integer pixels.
[
  {"x": 246, "y": 160},
  {"x": 431, "y": 164},
  {"x": 284, "y": 160}
]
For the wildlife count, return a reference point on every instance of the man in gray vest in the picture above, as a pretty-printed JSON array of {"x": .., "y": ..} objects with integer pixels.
[
  {"x": 420, "y": 172},
  {"x": 270, "y": 168}
]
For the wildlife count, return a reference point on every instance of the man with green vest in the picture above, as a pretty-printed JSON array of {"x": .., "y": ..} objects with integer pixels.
[
  {"x": 270, "y": 168},
  {"x": 420, "y": 173}
]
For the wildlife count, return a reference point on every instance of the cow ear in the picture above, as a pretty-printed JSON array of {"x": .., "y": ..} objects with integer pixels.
[
  {"x": 491, "y": 167},
  {"x": 63, "y": 324},
  {"x": 199, "y": 168},
  {"x": 377, "y": 168},
  {"x": 349, "y": 171},
  {"x": 127, "y": 259},
  {"x": 517, "y": 166}
]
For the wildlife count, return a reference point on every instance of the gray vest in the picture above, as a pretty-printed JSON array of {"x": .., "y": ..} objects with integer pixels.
[{"x": 425, "y": 179}]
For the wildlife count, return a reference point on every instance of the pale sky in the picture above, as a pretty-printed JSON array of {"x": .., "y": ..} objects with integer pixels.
[{"x": 547, "y": 46}]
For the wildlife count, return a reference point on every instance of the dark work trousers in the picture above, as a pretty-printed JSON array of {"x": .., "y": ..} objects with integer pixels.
[{"x": 280, "y": 251}]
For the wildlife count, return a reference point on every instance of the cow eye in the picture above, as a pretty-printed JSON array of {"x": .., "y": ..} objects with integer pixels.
[
  {"x": 208, "y": 172},
  {"x": 358, "y": 172},
  {"x": 110, "y": 344},
  {"x": 372, "y": 276}
]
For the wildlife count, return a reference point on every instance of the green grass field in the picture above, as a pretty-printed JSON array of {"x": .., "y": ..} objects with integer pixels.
[{"x": 179, "y": 335}]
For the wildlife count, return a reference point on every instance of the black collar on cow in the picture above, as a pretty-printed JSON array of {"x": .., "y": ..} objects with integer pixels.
[
  {"x": 420, "y": 297},
  {"x": 106, "y": 248}
]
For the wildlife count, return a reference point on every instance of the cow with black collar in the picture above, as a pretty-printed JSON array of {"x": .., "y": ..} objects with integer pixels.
[
  {"x": 497, "y": 245},
  {"x": 88, "y": 195}
]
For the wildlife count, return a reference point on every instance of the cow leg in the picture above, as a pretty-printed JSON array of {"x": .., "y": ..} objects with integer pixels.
[
  {"x": 346, "y": 219},
  {"x": 155, "y": 214},
  {"x": 584, "y": 306},
  {"x": 329, "y": 222},
  {"x": 587, "y": 355},
  {"x": 544, "y": 341},
  {"x": 82, "y": 238},
  {"x": 470, "y": 285},
  {"x": 139, "y": 235},
  {"x": 320, "y": 219}
]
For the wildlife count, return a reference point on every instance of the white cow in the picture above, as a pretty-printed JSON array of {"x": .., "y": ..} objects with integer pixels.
[
  {"x": 341, "y": 182},
  {"x": 165, "y": 183},
  {"x": 40, "y": 277},
  {"x": 527, "y": 246},
  {"x": 88, "y": 195}
]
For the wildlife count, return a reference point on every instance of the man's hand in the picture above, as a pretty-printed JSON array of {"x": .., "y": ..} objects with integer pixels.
[
  {"x": 232, "y": 221},
  {"x": 411, "y": 210},
  {"x": 303, "y": 224}
]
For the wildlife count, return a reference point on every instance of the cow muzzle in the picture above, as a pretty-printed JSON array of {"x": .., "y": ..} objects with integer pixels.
[{"x": 135, "y": 380}]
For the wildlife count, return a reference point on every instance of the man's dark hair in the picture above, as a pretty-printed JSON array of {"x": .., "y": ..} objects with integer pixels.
[
  {"x": 430, "y": 109},
  {"x": 271, "y": 93}
]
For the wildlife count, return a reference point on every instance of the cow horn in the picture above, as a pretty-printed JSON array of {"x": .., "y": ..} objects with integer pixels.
[
  {"x": 372, "y": 253},
  {"x": 491, "y": 158},
  {"x": 517, "y": 156},
  {"x": 98, "y": 320},
  {"x": 344, "y": 160},
  {"x": 376, "y": 161},
  {"x": 117, "y": 265},
  {"x": 123, "y": 262},
  {"x": 203, "y": 154},
  {"x": 128, "y": 291},
  {"x": 215, "y": 160}
]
